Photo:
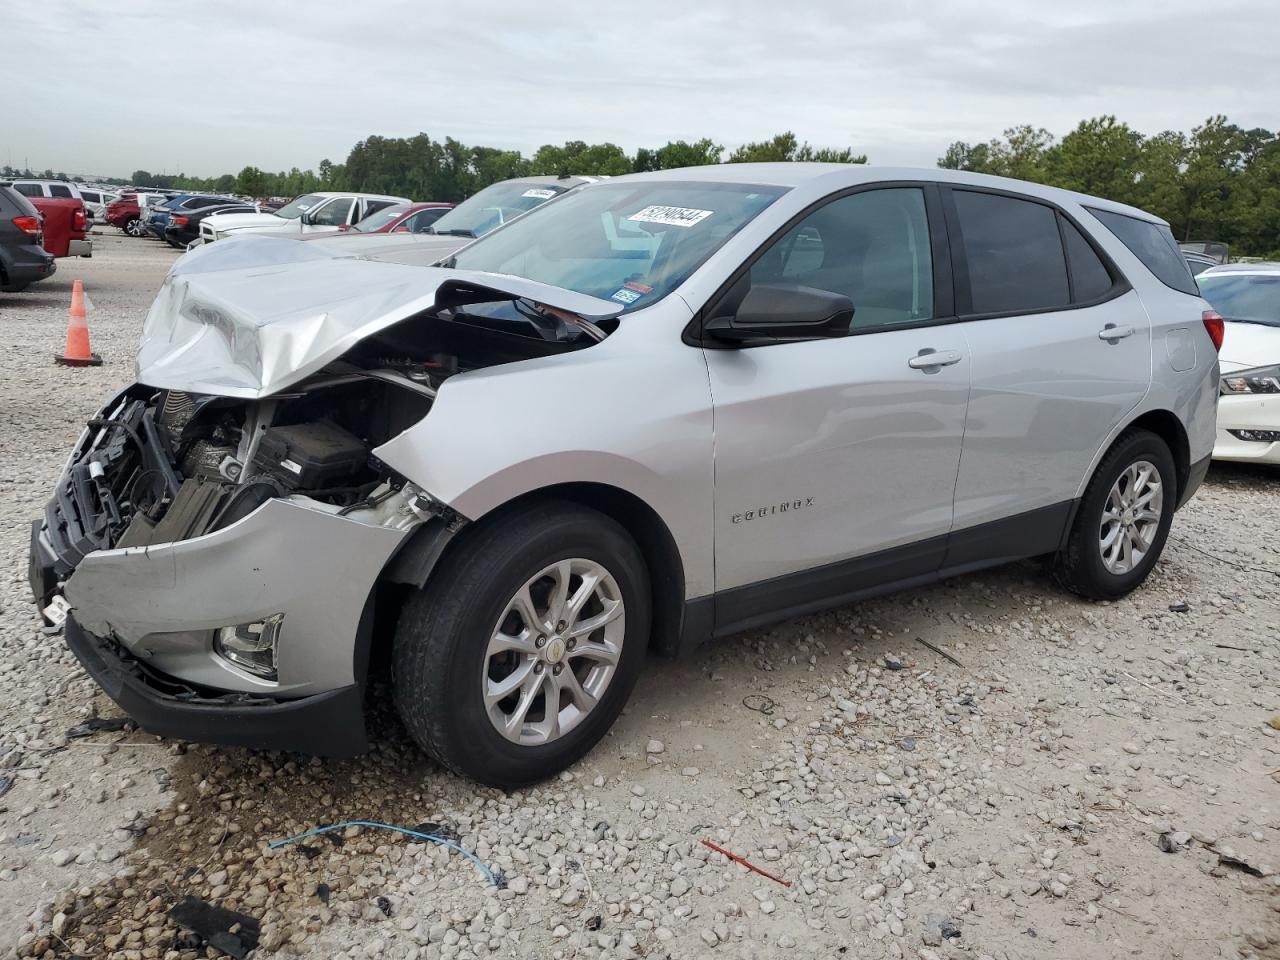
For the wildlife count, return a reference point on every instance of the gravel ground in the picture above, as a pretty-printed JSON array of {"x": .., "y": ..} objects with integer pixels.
[{"x": 1056, "y": 779}]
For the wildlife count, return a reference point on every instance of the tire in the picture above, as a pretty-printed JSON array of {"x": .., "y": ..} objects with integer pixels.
[
  {"x": 442, "y": 661},
  {"x": 1083, "y": 565},
  {"x": 134, "y": 227},
  {"x": 13, "y": 287}
]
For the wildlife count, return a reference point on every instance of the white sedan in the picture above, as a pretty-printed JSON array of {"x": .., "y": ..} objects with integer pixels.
[{"x": 1248, "y": 297}]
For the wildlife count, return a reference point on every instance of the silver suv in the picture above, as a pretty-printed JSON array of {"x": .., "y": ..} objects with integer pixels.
[{"x": 665, "y": 408}]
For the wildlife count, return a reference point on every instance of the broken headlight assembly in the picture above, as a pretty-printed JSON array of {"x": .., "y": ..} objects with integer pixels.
[
  {"x": 251, "y": 646},
  {"x": 1256, "y": 380}
]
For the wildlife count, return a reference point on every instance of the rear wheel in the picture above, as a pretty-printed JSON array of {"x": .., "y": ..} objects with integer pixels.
[
  {"x": 135, "y": 227},
  {"x": 518, "y": 656},
  {"x": 1123, "y": 519}
]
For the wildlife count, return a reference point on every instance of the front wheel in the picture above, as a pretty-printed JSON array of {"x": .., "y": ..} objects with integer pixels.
[
  {"x": 135, "y": 228},
  {"x": 521, "y": 651},
  {"x": 1123, "y": 520}
]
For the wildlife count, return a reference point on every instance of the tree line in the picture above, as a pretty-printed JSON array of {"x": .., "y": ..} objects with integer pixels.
[{"x": 1219, "y": 182}]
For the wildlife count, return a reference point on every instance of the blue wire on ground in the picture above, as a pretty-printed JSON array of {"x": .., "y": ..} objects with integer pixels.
[{"x": 276, "y": 844}]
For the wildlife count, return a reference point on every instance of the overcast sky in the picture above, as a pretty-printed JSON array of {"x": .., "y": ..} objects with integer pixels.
[{"x": 206, "y": 88}]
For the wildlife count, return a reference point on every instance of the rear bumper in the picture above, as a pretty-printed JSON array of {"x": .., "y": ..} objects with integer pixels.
[
  {"x": 326, "y": 724},
  {"x": 27, "y": 264},
  {"x": 79, "y": 248},
  {"x": 1195, "y": 477}
]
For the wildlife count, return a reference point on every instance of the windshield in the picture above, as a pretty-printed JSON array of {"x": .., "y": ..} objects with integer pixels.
[
  {"x": 1251, "y": 297},
  {"x": 630, "y": 243},
  {"x": 376, "y": 221},
  {"x": 296, "y": 208},
  {"x": 493, "y": 206}
]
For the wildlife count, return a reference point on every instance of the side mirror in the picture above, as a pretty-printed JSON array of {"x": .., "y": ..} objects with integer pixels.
[
  {"x": 306, "y": 218},
  {"x": 782, "y": 313}
]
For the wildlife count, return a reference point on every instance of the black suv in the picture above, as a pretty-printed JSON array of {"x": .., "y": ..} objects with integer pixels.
[{"x": 23, "y": 260}]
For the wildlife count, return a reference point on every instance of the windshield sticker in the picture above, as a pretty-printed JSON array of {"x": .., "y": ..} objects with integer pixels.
[
  {"x": 637, "y": 286},
  {"x": 539, "y": 194},
  {"x": 671, "y": 216},
  {"x": 627, "y": 296}
]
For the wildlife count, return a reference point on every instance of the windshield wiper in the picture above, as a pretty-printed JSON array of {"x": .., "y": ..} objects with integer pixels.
[{"x": 455, "y": 232}]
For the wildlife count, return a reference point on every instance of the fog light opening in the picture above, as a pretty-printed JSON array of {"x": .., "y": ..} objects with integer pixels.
[
  {"x": 251, "y": 646},
  {"x": 1256, "y": 436}
]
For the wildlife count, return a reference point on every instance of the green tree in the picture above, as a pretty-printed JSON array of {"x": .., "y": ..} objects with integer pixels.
[
  {"x": 576, "y": 157},
  {"x": 252, "y": 182},
  {"x": 1099, "y": 157},
  {"x": 678, "y": 153},
  {"x": 784, "y": 147},
  {"x": 141, "y": 178}
]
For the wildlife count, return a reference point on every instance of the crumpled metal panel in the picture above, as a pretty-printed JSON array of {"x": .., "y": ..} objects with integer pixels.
[{"x": 249, "y": 316}]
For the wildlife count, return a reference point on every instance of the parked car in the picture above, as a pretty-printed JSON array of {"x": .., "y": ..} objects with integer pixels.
[
  {"x": 1198, "y": 262},
  {"x": 23, "y": 260},
  {"x": 65, "y": 225},
  {"x": 313, "y": 213},
  {"x": 127, "y": 211},
  {"x": 666, "y": 407},
  {"x": 400, "y": 218},
  {"x": 32, "y": 189},
  {"x": 158, "y": 221},
  {"x": 96, "y": 201},
  {"x": 1248, "y": 297},
  {"x": 184, "y": 225},
  {"x": 484, "y": 210}
]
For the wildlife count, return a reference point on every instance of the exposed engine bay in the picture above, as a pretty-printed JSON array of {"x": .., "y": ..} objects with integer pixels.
[{"x": 164, "y": 465}]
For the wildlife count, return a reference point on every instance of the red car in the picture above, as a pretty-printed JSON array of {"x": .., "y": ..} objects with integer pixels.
[
  {"x": 66, "y": 225},
  {"x": 399, "y": 218},
  {"x": 123, "y": 212}
]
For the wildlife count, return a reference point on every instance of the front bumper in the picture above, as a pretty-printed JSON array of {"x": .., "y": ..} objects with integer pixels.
[
  {"x": 1252, "y": 411},
  {"x": 326, "y": 724},
  {"x": 151, "y": 612}
]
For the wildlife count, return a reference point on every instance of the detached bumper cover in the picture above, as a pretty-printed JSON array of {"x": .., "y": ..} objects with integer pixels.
[
  {"x": 326, "y": 724},
  {"x": 79, "y": 248}
]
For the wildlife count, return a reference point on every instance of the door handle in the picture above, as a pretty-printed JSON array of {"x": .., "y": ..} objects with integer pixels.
[
  {"x": 1111, "y": 333},
  {"x": 929, "y": 359}
]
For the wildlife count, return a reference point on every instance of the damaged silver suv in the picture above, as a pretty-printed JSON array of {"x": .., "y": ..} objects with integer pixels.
[{"x": 666, "y": 407}]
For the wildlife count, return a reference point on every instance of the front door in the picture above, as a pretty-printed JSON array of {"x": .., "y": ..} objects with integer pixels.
[{"x": 836, "y": 459}]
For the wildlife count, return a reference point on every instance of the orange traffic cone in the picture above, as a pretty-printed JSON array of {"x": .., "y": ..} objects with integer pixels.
[{"x": 77, "y": 353}]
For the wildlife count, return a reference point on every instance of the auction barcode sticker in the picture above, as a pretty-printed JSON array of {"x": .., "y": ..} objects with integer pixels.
[
  {"x": 672, "y": 216},
  {"x": 538, "y": 193}
]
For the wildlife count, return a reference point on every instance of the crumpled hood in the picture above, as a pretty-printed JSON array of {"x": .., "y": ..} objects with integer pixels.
[
  {"x": 1249, "y": 345},
  {"x": 426, "y": 248},
  {"x": 252, "y": 315}
]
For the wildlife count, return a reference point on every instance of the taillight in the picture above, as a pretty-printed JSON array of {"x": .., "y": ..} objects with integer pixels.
[
  {"x": 1215, "y": 327},
  {"x": 28, "y": 225},
  {"x": 179, "y": 221},
  {"x": 78, "y": 221}
]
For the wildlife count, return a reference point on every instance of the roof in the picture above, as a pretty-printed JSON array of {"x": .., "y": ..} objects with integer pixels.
[
  {"x": 1267, "y": 267},
  {"x": 837, "y": 175}
]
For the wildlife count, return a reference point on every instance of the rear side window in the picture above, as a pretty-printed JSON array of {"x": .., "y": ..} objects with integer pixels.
[
  {"x": 1090, "y": 279},
  {"x": 1153, "y": 244},
  {"x": 90, "y": 197},
  {"x": 1014, "y": 253},
  {"x": 58, "y": 190},
  {"x": 29, "y": 189}
]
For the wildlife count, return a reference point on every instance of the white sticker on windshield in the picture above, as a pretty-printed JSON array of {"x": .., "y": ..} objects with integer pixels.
[
  {"x": 672, "y": 216},
  {"x": 539, "y": 194}
]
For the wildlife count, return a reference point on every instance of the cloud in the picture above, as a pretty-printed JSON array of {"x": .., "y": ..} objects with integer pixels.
[{"x": 209, "y": 88}]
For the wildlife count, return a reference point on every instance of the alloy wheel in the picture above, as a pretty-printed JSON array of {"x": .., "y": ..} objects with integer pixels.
[
  {"x": 1131, "y": 517},
  {"x": 553, "y": 652}
]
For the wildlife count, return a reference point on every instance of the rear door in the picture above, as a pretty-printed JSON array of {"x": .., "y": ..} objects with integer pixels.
[
  {"x": 836, "y": 459},
  {"x": 1061, "y": 353}
]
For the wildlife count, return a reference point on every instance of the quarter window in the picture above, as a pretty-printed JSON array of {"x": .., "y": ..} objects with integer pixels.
[
  {"x": 1153, "y": 244},
  {"x": 872, "y": 247},
  {"x": 29, "y": 189},
  {"x": 58, "y": 190},
  {"x": 1013, "y": 252},
  {"x": 1090, "y": 278}
]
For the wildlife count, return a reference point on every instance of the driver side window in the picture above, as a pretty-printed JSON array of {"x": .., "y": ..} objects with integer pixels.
[
  {"x": 333, "y": 214},
  {"x": 873, "y": 247}
]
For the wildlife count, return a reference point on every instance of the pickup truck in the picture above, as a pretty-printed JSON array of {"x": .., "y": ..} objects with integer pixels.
[{"x": 65, "y": 226}]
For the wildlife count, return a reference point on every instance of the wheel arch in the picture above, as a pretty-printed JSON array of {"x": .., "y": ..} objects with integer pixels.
[
  {"x": 431, "y": 544},
  {"x": 1165, "y": 425}
]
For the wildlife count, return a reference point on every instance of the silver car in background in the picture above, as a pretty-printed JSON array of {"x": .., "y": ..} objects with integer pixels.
[{"x": 664, "y": 408}]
